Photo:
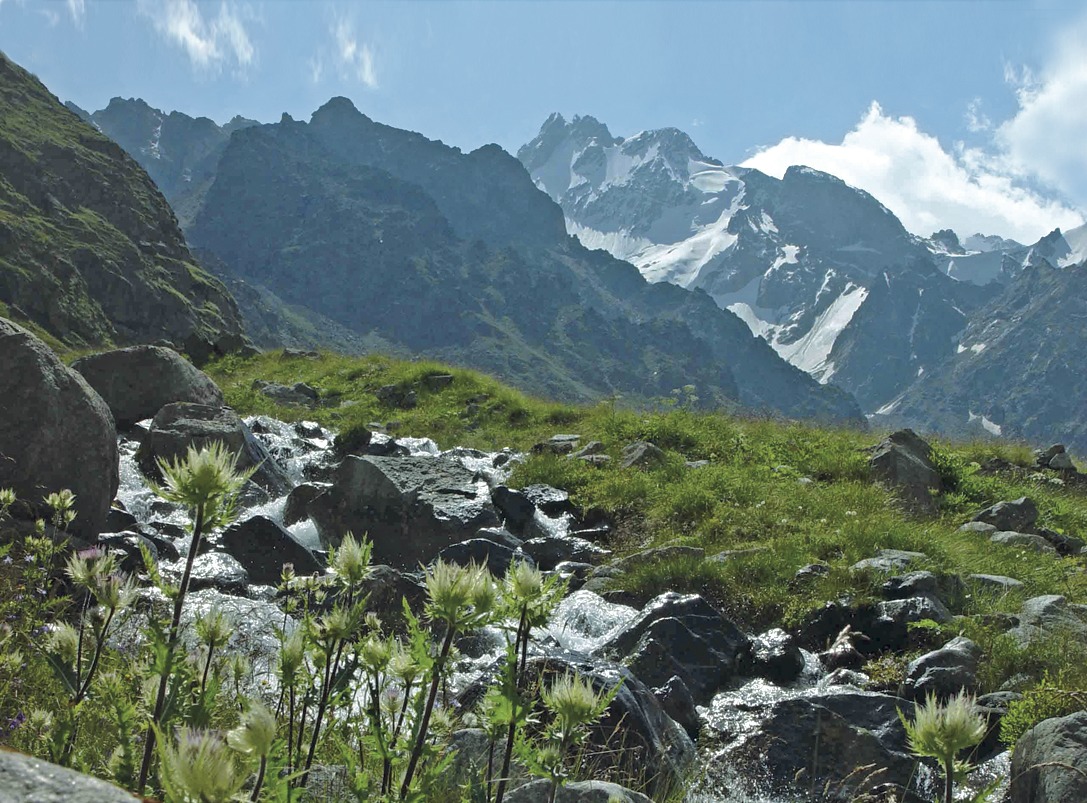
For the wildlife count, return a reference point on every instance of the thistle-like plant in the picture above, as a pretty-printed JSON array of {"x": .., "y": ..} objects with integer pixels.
[
  {"x": 254, "y": 737},
  {"x": 943, "y": 730},
  {"x": 214, "y": 630},
  {"x": 530, "y": 600},
  {"x": 199, "y": 767},
  {"x": 207, "y": 482},
  {"x": 460, "y": 598},
  {"x": 574, "y": 705}
]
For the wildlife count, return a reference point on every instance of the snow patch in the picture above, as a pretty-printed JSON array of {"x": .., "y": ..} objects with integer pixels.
[
  {"x": 986, "y": 424},
  {"x": 810, "y": 352}
]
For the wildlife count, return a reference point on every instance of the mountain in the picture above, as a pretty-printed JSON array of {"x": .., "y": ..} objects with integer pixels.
[
  {"x": 179, "y": 152},
  {"x": 1017, "y": 371},
  {"x": 459, "y": 256},
  {"x": 90, "y": 251},
  {"x": 984, "y": 260},
  {"x": 798, "y": 258}
]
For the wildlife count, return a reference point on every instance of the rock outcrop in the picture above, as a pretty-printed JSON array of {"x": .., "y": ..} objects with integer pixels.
[{"x": 55, "y": 432}]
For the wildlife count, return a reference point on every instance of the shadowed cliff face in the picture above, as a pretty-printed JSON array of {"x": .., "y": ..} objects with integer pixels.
[
  {"x": 89, "y": 249},
  {"x": 459, "y": 256}
]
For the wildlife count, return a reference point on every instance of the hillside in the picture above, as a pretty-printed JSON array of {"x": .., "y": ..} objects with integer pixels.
[{"x": 90, "y": 251}]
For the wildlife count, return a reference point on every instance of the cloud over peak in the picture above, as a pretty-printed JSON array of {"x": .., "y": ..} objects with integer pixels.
[{"x": 209, "y": 42}]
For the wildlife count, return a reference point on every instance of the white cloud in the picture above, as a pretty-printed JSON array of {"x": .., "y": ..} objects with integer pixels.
[
  {"x": 209, "y": 42},
  {"x": 355, "y": 58},
  {"x": 77, "y": 9},
  {"x": 316, "y": 68},
  {"x": 976, "y": 120},
  {"x": 927, "y": 187},
  {"x": 1045, "y": 139}
]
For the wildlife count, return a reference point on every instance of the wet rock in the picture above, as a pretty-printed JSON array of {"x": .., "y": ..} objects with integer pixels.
[
  {"x": 386, "y": 588},
  {"x": 24, "y": 779},
  {"x": 642, "y": 454},
  {"x": 943, "y": 672},
  {"x": 776, "y": 657},
  {"x": 56, "y": 432},
  {"x": 889, "y": 560},
  {"x": 1049, "y": 616},
  {"x": 1018, "y": 515},
  {"x": 821, "y": 742},
  {"x": 137, "y": 382},
  {"x": 176, "y": 427},
  {"x": 842, "y": 654},
  {"x": 1047, "y": 765},
  {"x": 1034, "y": 543},
  {"x": 483, "y": 552},
  {"x": 127, "y": 546},
  {"x": 903, "y": 461},
  {"x": 678, "y": 703},
  {"x": 298, "y": 500},
  {"x": 514, "y": 506},
  {"x": 118, "y": 520},
  {"x": 500, "y": 535},
  {"x": 262, "y": 547},
  {"x": 219, "y": 571},
  {"x": 549, "y": 501},
  {"x": 473, "y": 751},
  {"x": 297, "y": 395},
  {"x": 410, "y": 507},
  {"x": 682, "y": 636},
  {"x": 551, "y": 550},
  {"x": 539, "y": 791},
  {"x": 993, "y": 707}
]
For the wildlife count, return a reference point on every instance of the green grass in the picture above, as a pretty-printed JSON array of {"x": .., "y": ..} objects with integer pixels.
[{"x": 754, "y": 497}]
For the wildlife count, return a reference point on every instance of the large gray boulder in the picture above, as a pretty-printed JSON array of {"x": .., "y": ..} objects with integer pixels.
[
  {"x": 137, "y": 382},
  {"x": 262, "y": 546},
  {"x": 539, "y": 791},
  {"x": 823, "y": 742},
  {"x": 1018, "y": 515},
  {"x": 681, "y": 636},
  {"x": 903, "y": 461},
  {"x": 410, "y": 507},
  {"x": 1049, "y": 764},
  {"x": 1050, "y": 616},
  {"x": 24, "y": 779},
  {"x": 178, "y": 426},
  {"x": 943, "y": 672},
  {"x": 55, "y": 432}
]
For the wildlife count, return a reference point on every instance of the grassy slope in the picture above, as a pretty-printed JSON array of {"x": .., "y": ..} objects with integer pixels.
[{"x": 749, "y": 497}]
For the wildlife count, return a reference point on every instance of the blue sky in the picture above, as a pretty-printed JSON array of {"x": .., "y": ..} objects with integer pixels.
[{"x": 967, "y": 114}]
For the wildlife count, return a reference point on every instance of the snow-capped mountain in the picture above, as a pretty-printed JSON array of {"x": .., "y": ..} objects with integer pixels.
[
  {"x": 984, "y": 259},
  {"x": 796, "y": 258}
]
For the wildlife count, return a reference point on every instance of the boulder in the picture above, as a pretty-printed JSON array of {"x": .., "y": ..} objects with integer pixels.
[
  {"x": 410, "y": 507},
  {"x": 1035, "y": 543},
  {"x": 24, "y": 779},
  {"x": 551, "y": 550},
  {"x": 1051, "y": 616},
  {"x": 557, "y": 444},
  {"x": 1018, "y": 515},
  {"x": 56, "y": 432},
  {"x": 262, "y": 546},
  {"x": 294, "y": 509},
  {"x": 642, "y": 454},
  {"x": 825, "y": 742},
  {"x": 1062, "y": 462},
  {"x": 776, "y": 657},
  {"x": 137, "y": 382},
  {"x": 682, "y": 636},
  {"x": 484, "y": 552},
  {"x": 178, "y": 426},
  {"x": 297, "y": 395},
  {"x": 539, "y": 791},
  {"x": 903, "y": 461},
  {"x": 980, "y": 527},
  {"x": 946, "y": 588},
  {"x": 943, "y": 672},
  {"x": 548, "y": 500},
  {"x": 996, "y": 582},
  {"x": 1049, "y": 760},
  {"x": 219, "y": 571},
  {"x": 678, "y": 703},
  {"x": 397, "y": 396},
  {"x": 516, "y": 508}
]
